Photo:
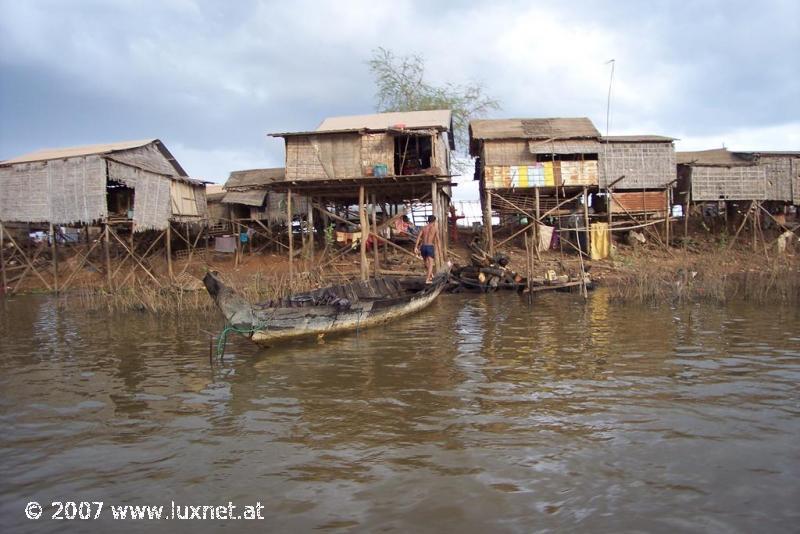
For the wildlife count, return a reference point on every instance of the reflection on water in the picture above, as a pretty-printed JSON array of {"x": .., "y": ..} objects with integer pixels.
[{"x": 479, "y": 413}]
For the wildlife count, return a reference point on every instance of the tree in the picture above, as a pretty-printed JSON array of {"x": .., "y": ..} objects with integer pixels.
[{"x": 401, "y": 86}]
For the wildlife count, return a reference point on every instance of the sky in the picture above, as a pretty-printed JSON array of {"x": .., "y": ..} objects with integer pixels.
[{"x": 212, "y": 78}]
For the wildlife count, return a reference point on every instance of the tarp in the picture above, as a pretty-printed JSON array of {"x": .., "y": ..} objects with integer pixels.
[{"x": 600, "y": 240}]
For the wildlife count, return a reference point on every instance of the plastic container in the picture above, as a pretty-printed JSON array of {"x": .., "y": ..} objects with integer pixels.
[{"x": 380, "y": 170}]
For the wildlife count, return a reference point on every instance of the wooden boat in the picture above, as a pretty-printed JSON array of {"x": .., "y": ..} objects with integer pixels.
[{"x": 331, "y": 309}]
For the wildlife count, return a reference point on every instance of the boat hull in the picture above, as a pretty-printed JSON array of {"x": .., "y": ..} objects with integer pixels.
[{"x": 366, "y": 307}]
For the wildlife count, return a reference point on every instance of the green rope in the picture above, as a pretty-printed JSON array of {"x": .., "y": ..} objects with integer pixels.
[{"x": 223, "y": 336}]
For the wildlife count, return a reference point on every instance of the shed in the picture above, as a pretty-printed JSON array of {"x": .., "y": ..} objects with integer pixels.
[
  {"x": 248, "y": 195},
  {"x": 532, "y": 153},
  {"x": 410, "y": 143},
  {"x": 637, "y": 162},
  {"x": 719, "y": 174},
  {"x": 782, "y": 173},
  {"x": 130, "y": 181}
]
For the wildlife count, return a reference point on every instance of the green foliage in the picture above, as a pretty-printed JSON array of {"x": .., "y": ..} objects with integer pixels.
[{"x": 401, "y": 86}]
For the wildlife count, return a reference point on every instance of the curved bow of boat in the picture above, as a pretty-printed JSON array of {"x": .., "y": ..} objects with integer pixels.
[{"x": 237, "y": 311}]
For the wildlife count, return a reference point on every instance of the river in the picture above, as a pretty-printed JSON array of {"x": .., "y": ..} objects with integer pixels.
[{"x": 478, "y": 414}]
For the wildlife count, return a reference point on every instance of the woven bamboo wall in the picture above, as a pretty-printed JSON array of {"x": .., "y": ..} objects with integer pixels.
[
  {"x": 377, "y": 148},
  {"x": 152, "y": 208},
  {"x": 779, "y": 176},
  {"x": 323, "y": 157},
  {"x": 796, "y": 181},
  {"x": 728, "y": 183},
  {"x": 441, "y": 154},
  {"x": 507, "y": 152},
  {"x": 644, "y": 165},
  {"x": 67, "y": 191},
  {"x": 275, "y": 208}
]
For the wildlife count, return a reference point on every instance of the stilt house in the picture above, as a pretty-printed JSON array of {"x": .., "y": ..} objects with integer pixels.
[{"x": 135, "y": 182}]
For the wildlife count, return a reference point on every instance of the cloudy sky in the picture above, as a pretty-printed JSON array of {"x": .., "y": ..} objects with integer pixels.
[{"x": 211, "y": 78}]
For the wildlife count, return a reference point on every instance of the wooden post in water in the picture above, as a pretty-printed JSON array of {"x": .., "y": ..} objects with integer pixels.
[
  {"x": 586, "y": 219},
  {"x": 2, "y": 261},
  {"x": 168, "y": 248},
  {"x": 362, "y": 218},
  {"x": 754, "y": 221},
  {"x": 375, "y": 245},
  {"x": 107, "y": 252},
  {"x": 291, "y": 237},
  {"x": 54, "y": 252},
  {"x": 535, "y": 236}
]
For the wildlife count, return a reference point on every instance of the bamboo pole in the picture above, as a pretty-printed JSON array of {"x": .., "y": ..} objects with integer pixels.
[
  {"x": 488, "y": 222},
  {"x": 535, "y": 230},
  {"x": 667, "y": 218},
  {"x": 291, "y": 236},
  {"x": 376, "y": 267},
  {"x": 135, "y": 259},
  {"x": 54, "y": 253},
  {"x": 3, "y": 279},
  {"x": 586, "y": 218},
  {"x": 755, "y": 227},
  {"x": 435, "y": 209},
  {"x": 311, "y": 229},
  {"x": 107, "y": 253},
  {"x": 169, "y": 249},
  {"x": 362, "y": 218}
]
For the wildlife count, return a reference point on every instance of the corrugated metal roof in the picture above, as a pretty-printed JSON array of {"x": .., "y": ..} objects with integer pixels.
[
  {"x": 553, "y": 128},
  {"x": 72, "y": 152},
  {"x": 637, "y": 139},
  {"x": 438, "y": 118},
  {"x": 255, "y": 177},
  {"x": 253, "y": 197},
  {"x": 714, "y": 157}
]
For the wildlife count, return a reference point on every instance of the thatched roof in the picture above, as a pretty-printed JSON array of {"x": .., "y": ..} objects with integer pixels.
[
  {"x": 555, "y": 128},
  {"x": 721, "y": 157},
  {"x": 254, "y": 178},
  {"x": 101, "y": 149}
]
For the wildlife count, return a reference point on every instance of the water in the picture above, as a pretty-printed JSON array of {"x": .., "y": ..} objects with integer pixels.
[{"x": 478, "y": 414}]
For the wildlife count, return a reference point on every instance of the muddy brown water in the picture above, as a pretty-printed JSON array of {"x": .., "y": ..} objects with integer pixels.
[{"x": 480, "y": 414}]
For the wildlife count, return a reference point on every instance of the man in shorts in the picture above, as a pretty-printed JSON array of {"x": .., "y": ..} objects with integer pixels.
[{"x": 429, "y": 236}]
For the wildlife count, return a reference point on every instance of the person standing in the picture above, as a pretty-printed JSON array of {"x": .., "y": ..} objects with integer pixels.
[{"x": 429, "y": 237}]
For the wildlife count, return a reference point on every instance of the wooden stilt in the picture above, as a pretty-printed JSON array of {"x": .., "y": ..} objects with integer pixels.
[
  {"x": 667, "y": 217},
  {"x": 291, "y": 236},
  {"x": 107, "y": 253},
  {"x": 486, "y": 205},
  {"x": 311, "y": 229},
  {"x": 535, "y": 235},
  {"x": 686, "y": 211},
  {"x": 3, "y": 279},
  {"x": 375, "y": 244},
  {"x": 586, "y": 219},
  {"x": 754, "y": 221},
  {"x": 435, "y": 208},
  {"x": 168, "y": 248},
  {"x": 362, "y": 218},
  {"x": 54, "y": 253}
]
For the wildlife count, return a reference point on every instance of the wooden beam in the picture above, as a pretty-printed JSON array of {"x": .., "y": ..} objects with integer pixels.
[
  {"x": 362, "y": 217},
  {"x": 81, "y": 263},
  {"x": 586, "y": 219},
  {"x": 3, "y": 279},
  {"x": 310, "y": 224},
  {"x": 143, "y": 257},
  {"x": 54, "y": 254},
  {"x": 291, "y": 236},
  {"x": 136, "y": 259},
  {"x": 377, "y": 265},
  {"x": 107, "y": 253},
  {"x": 29, "y": 263},
  {"x": 168, "y": 248}
]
